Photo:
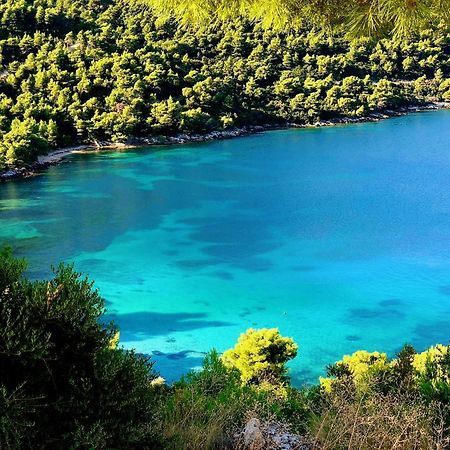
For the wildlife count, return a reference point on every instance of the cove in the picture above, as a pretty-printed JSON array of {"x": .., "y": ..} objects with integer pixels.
[{"x": 339, "y": 236}]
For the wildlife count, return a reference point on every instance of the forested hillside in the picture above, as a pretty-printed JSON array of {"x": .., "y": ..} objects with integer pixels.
[{"x": 85, "y": 70}]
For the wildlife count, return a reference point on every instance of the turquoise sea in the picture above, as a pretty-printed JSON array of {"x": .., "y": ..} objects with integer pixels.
[{"x": 338, "y": 236}]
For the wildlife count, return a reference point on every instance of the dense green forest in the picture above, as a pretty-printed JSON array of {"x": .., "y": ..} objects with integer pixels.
[{"x": 85, "y": 70}]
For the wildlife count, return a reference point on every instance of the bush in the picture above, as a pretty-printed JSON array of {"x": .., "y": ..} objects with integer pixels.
[
  {"x": 360, "y": 368},
  {"x": 196, "y": 120},
  {"x": 386, "y": 94},
  {"x": 425, "y": 375},
  {"x": 432, "y": 373},
  {"x": 261, "y": 355},
  {"x": 369, "y": 401},
  {"x": 62, "y": 382},
  {"x": 205, "y": 409}
]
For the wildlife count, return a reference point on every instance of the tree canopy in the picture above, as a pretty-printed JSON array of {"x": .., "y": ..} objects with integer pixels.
[{"x": 357, "y": 17}]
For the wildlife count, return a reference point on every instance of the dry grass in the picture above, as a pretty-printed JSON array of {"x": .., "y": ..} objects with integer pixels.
[
  {"x": 206, "y": 412},
  {"x": 190, "y": 423},
  {"x": 209, "y": 410},
  {"x": 380, "y": 422}
]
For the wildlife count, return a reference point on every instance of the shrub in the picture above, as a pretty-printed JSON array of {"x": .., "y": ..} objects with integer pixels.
[
  {"x": 205, "y": 409},
  {"x": 432, "y": 373},
  {"x": 386, "y": 94},
  {"x": 63, "y": 384},
  {"x": 369, "y": 401},
  {"x": 360, "y": 368},
  {"x": 261, "y": 355},
  {"x": 425, "y": 375}
]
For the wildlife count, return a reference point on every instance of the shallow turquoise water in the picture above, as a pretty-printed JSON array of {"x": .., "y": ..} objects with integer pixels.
[{"x": 339, "y": 236}]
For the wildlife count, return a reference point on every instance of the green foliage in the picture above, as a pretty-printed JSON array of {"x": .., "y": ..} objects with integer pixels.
[
  {"x": 358, "y": 17},
  {"x": 201, "y": 410},
  {"x": 425, "y": 375},
  {"x": 62, "y": 385},
  {"x": 206, "y": 407},
  {"x": 261, "y": 355},
  {"x": 196, "y": 120},
  {"x": 431, "y": 369},
  {"x": 23, "y": 142},
  {"x": 165, "y": 116},
  {"x": 360, "y": 368},
  {"x": 84, "y": 71}
]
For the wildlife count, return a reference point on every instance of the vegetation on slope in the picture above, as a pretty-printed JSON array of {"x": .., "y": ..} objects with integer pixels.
[
  {"x": 64, "y": 383},
  {"x": 82, "y": 71}
]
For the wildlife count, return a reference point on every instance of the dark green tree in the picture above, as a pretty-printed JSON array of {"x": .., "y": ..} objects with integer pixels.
[{"x": 63, "y": 382}]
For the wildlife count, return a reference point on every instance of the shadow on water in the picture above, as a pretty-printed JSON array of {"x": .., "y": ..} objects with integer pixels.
[
  {"x": 142, "y": 325},
  {"x": 386, "y": 310},
  {"x": 123, "y": 205},
  {"x": 177, "y": 355},
  {"x": 223, "y": 275},
  {"x": 426, "y": 334},
  {"x": 196, "y": 264},
  {"x": 174, "y": 365},
  {"x": 239, "y": 244},
  {"x": 353, "y": 338},
  {"x": 445, "y": 290},
  {"x": 391, "y": 303}
]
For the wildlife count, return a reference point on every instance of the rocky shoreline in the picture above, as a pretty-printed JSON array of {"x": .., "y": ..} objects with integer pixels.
[{"x": 55, "y": 157}]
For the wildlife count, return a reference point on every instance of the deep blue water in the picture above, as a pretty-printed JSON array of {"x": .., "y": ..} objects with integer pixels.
[{"x": 338, "y": 236}]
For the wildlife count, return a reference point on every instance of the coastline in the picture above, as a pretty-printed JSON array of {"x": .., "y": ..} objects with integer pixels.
[{"x": 57, "y": 156}]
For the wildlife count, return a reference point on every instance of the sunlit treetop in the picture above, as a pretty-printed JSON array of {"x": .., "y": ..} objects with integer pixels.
[{"x": 356, "y": 17}]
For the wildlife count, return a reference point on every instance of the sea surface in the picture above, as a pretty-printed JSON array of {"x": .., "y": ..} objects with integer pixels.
[{"x": 339, "y": 236}]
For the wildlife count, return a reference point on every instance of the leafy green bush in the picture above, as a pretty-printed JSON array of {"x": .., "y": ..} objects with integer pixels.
[
  {"x": 62, "y": 383},
  {"x": 432, "y": 373},
  {"x": 261, "y": 355},
  {"x": 425, "y": 375},
  {"x": 360, "y": 368}
]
